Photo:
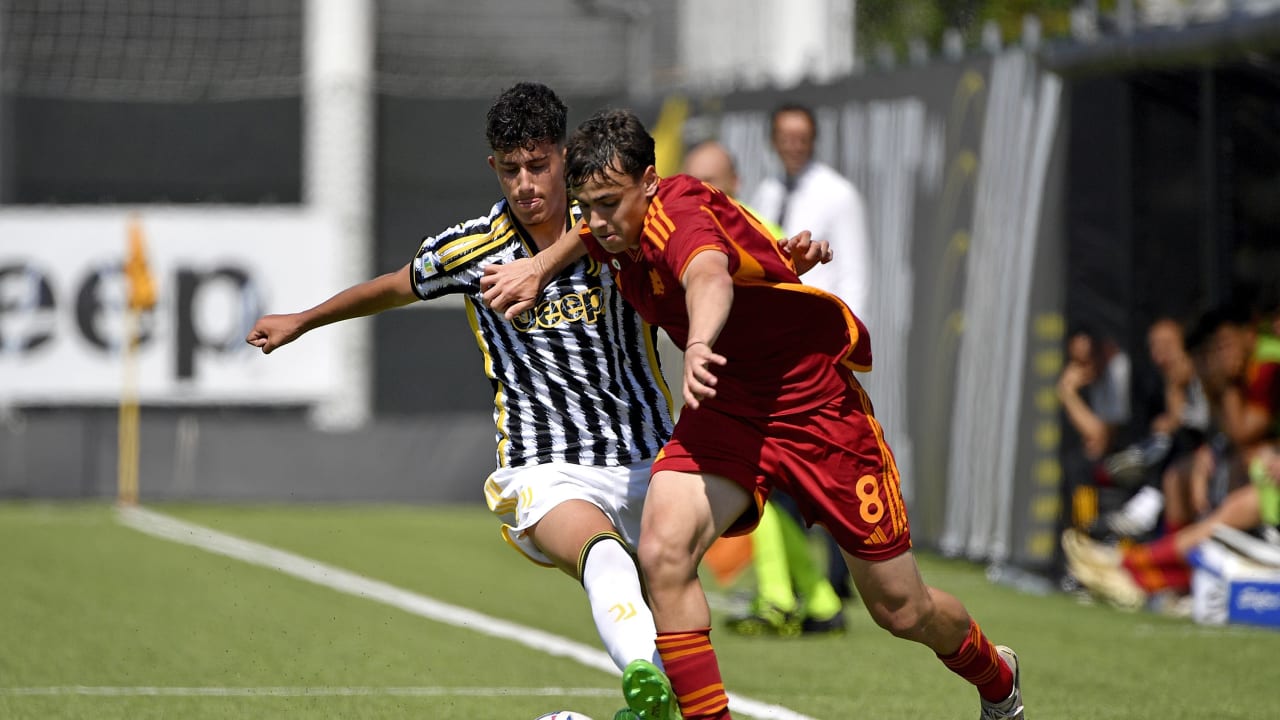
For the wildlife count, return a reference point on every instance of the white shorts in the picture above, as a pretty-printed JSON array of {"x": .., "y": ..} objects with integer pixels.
[{"x": 520, "y": 497}]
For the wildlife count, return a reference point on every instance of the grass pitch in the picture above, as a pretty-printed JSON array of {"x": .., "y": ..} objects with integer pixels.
[{"x": 98, "y": 620}]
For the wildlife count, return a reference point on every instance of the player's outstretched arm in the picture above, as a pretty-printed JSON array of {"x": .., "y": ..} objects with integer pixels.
[
  {"x": 513, "y": 287},
  {"x": 708, "y": 291},
  {"x": 806, "y": 253},
  {"x": 368, "y": 298}
]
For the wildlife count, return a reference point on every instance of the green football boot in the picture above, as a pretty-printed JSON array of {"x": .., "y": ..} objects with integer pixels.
[{"x": 648, "y": 693}]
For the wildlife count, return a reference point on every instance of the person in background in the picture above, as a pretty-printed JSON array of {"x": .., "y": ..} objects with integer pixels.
[
  {"x": 712, "y": 163},
  {"x": 1094, "y": 391},
  {"x": 1241, "y": 377},
  {"x": 1160, "y": 464},
  {"x": 812, "y": 195},
  {"x": 793, "y": 595}
]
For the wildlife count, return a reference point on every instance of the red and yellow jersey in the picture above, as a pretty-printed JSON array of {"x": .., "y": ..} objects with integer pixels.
[
  {"x": 1262, "y": 390},
  {"x": 789, "y": 346}
]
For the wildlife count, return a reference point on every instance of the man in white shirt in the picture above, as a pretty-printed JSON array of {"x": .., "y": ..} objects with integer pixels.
[{"x": 812, "y": 196}]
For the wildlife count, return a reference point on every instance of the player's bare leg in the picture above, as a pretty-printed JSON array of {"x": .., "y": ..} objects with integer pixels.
[
  {"x": 683, "y": 514},
  {"x": 580, "y": 539},
  {"x": 900, "y": 602}
]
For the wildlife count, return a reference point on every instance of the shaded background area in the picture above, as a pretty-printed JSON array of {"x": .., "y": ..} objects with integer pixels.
[{"x": 1157, "y": 198}]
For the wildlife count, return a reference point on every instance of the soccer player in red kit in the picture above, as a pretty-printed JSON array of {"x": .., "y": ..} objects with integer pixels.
[{"x": 770, "y": 400}]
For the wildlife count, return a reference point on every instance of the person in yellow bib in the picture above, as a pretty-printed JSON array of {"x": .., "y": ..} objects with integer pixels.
[{"x": 793, "y": 595}]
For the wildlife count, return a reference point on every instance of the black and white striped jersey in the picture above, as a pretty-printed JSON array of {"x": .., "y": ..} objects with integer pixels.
[{"x": 577, "y": 378}]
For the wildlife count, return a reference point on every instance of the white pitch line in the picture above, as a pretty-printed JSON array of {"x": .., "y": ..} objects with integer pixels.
[
  {"x": 124, "y": 691},
  {"x": 1144, "y": 629},
  {"x": 170, "y": 528}
]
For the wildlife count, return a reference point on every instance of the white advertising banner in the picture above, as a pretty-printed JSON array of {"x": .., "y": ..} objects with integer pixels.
[{"x": 62, "y": 305}]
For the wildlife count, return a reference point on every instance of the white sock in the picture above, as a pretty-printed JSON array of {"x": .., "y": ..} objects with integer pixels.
[
  {"x": 1140, "y": 514},
  {"x": 623, "y": 620},
  {"x": 1144, "y": 507}
]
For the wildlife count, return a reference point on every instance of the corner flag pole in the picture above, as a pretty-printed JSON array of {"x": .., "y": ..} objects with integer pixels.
[{"x": 141, "y": 295}]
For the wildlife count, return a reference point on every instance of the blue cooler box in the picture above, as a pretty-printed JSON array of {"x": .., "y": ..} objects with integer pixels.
[{"x": 1235, "y": 581}]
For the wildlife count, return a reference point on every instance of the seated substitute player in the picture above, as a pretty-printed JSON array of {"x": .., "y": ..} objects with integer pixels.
[
  {"x": 1240, "y": 370},
  {"x": 770, "y": 400},
  {"x": 567, "y": 497}
]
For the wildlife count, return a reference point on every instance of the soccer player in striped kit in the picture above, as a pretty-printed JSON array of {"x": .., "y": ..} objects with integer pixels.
[
  {"x": 770, "y": 401},
  {"x": 581, "y": 407}
]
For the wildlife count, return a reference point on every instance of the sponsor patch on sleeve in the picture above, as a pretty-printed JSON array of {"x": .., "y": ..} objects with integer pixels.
[{"x": 425, "y": 266}]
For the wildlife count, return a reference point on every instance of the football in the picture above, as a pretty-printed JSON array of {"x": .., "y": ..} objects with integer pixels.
[{"x": 563, "y": 715}]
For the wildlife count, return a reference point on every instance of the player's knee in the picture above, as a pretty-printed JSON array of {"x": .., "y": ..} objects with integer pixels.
[
  {"x": 907, "y": 620},
  {"x": 663, "y": 561}
]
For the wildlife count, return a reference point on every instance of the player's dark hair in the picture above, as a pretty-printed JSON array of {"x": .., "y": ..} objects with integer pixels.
[
  {"x": 1229, "y": 313},
  {"x": 609, "y": 140},
  {"x": 525, "y": 115},
  {"x": 790, "y": 108}
]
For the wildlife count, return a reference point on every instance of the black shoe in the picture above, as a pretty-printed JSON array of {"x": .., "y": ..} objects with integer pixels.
[
  {"x": 832, "y": 625},
  {"x": 843, "y": 588},
  {"x": 766, "y": 620}
]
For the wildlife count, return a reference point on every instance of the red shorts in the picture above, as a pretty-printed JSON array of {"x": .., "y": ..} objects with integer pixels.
[{"x": 832, "y": 459}]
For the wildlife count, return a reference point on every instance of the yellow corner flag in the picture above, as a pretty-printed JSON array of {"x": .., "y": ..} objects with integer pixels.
[
  {"x": 140, "y": 293},
  {"x": 141, "y": 285}
]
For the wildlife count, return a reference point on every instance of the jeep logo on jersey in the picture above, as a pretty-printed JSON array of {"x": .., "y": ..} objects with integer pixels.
[{"x": 585, "y": 307}]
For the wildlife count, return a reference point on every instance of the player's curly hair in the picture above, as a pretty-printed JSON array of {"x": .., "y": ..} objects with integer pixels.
[
  {"x": 609, "y": 140},
  {"x": 525, "y": 115}
]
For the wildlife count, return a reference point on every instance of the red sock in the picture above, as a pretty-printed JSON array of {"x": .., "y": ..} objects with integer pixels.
[
  {"x": 978, "y": 662},
  {"x": 1158, "y": 566},
  {"x": 690, "y": 663},
  {"x": 1178, "y": 579},
  {"x": 1165, "y": 552}
]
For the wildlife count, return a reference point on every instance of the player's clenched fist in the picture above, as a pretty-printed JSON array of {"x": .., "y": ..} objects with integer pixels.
[{"x": 272, "y": 331}]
